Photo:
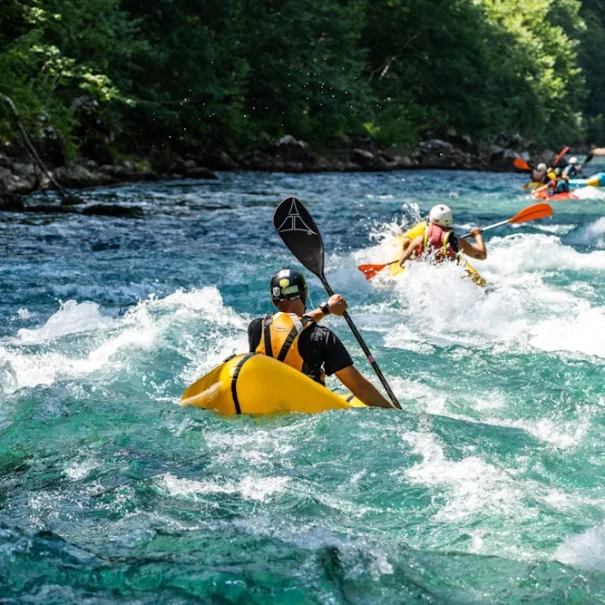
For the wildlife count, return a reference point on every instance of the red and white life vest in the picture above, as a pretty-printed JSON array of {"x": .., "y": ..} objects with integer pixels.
[{"x": 436, "y": 242}]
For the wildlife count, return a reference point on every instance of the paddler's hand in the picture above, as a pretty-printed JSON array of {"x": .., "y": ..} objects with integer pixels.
[
  {"x": 338, "y": 305},
  {"x": 476, "y": 232}
]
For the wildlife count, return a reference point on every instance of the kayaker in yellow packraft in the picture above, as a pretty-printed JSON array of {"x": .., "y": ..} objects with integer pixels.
[
  {"x": 293, "y": 336},
  {"x": 438, "y": 239}
]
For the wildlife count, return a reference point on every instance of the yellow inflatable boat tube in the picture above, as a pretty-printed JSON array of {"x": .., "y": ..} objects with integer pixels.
[
  {"x": 257, "y": 384},
  {"x": 532, "y": 185}
]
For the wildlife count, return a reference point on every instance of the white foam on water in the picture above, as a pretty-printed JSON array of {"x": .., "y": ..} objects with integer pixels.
[
  {"x": 589, "y": 193},
  {"x": 581, "y": 333},
  {"x": 206, "y": 303},
  {"x": 520, "y": 310},
  {"x": 205, "y": 358},
  {"x": 590, "y": 235},
  {"x": 43, "y": 508},
  {"x": 259, "y": 447},
  {"x": 79, "y": 340},
  {"x": 556, "y": 229},
  {"x": 488, "y": 401},
  {"x": 90, "y": 353},
  {"x": 24, "y": 313},
  {"x": 437, "y": 296},
  {"x": 427, "y": 398},
  {"x": 473, "y": 485},
  {"x": 586, "y": 551},
  {"x": 71, "y": 318},
  {"x": 79, "y": 470},
  {"x": 491, "y": 504},
  {"x": 8, "y": 376},
  {"x": 260, "y": 489},
  {"x": 522, "y": 253},
  {"x": 563, "y": 435},
  {"x": 401, "y": 337}
]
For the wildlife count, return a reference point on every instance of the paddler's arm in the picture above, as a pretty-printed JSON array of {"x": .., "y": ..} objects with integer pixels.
[
  {"x": 337, "y": 305},
  {"x": 362, "y": 388},
  {"x": 417, "y": 241},
  {"x": 255, "y": 331},
  {"x": 477, "y": 250}
]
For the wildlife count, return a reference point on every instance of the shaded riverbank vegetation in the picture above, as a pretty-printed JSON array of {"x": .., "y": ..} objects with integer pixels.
[{"x": 112, "y": 79}]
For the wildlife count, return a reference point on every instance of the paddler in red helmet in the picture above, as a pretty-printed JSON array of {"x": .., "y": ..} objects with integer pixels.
[{"x": 439, "y": 240}]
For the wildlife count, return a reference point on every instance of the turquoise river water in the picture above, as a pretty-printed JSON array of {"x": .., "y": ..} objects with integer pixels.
[{"x": 489, "y": 487}]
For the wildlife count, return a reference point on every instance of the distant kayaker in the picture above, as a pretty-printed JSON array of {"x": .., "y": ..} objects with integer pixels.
[
  {"x": 293, "y": 336},
  {"x": 439, "y": 240},
  {"x": 557, "y": 184},
  {"x": 539, "y": 174},
  {"x": 573, "y": 169}
]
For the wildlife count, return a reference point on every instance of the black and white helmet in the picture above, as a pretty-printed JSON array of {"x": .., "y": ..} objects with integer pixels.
[{"x": 288, "y": 284}]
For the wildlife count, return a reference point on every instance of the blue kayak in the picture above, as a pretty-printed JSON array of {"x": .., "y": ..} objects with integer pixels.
[{"x": 596, "y": 180}]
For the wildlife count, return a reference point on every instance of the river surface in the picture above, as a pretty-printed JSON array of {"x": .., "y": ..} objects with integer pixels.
[{"x": 489, "y": 488}]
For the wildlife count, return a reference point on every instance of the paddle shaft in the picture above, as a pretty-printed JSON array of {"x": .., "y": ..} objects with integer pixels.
[
  {"x": 364, "y": 347},
  {"x": 489, "y": 227},
  {"x": 561, "y": 154}
]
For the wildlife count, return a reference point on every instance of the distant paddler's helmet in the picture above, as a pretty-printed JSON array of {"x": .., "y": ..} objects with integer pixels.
[
  {"x": 288, "y": 284},
  {"x": 557, "y": 172},
  {"x": 541, "y": 167},
  {"x": 573, "y": 161},
  {"x": 441, "y": 215}
]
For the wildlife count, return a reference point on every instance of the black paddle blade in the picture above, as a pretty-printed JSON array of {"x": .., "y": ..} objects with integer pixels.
[{"x": 299, "y": 232}]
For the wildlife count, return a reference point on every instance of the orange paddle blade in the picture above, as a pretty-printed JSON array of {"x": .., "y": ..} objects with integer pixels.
[
  {"x": 371, "y": 271},
  {"x": 521, "y": 164},
  {"x": 561, "y": 154},
  {"x": 532, "y": 213}
]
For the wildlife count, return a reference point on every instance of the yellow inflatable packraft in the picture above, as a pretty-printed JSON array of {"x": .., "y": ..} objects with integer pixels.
[
  {"x": 417, "y": 230},
  {"x": 532, "y": 185},
  {"x": 257, "y": 384}
]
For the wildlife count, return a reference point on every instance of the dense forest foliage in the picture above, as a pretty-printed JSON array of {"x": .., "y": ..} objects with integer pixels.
[{"x": 167, "y": 74}]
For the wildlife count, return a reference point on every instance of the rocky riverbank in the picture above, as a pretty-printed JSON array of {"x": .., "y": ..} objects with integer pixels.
[{"x": 19, "y": 177}]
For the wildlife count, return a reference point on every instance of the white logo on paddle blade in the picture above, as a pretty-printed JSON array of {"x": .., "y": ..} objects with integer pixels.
[{"x": 294, "y": 222}]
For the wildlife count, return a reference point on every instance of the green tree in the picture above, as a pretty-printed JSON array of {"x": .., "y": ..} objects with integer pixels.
[
  {"x": 592, "y": 58},
  {"x": 61, "y": 49},
  {"x": 182, "y": 74},
  {"x": 478, "y": 68},
  {"x": 189, "y": 81},
  {"x": 306, "y": 67}
]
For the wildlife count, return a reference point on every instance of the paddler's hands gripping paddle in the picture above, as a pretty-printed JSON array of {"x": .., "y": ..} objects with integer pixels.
[
  {"x": 531, "y": 213},
  {"x": 299, "y": 232}
]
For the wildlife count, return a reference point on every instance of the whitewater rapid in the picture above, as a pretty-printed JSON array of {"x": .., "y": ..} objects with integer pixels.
[{"x": 489, "y": 478}]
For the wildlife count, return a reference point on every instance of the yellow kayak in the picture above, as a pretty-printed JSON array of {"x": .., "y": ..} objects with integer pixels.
[
  {"x": 532, "y": 185},
  {"x": 257, "y": 384},
  {"x": 395, "y": 269}
]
